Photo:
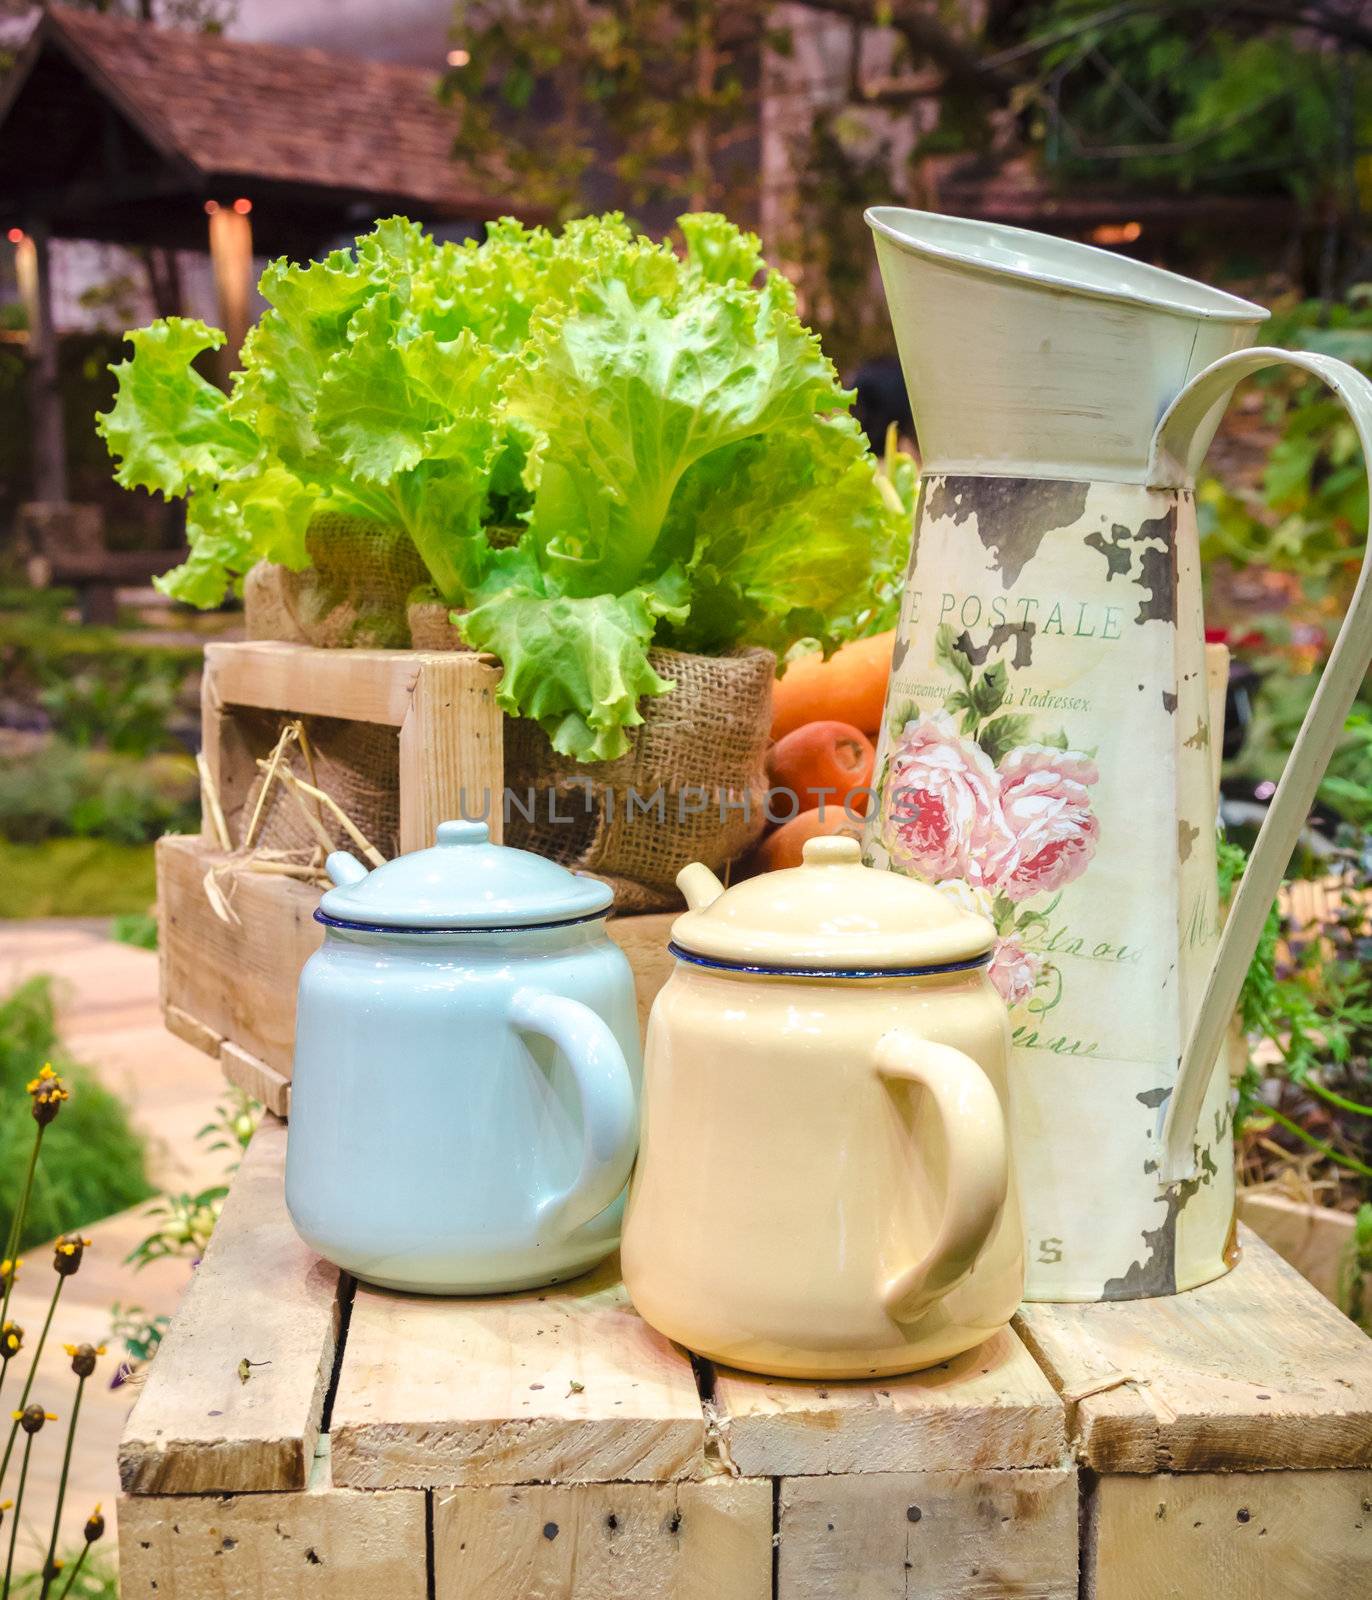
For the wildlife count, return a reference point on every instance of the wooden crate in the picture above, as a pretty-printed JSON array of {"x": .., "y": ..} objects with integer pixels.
[
  {"x": 550, "y": 1445},
  {"x": 230, "y": 988}
]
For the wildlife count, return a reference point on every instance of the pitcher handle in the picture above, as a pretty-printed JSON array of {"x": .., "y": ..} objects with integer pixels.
[
  {"x": 609, "y": 1110},
  {"x": 1179, "y": 446},
  {"x": 978, "y": 1165}
]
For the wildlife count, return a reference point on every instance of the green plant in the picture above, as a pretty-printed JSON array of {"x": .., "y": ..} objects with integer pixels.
[
  {"x": 75, "y": 878},
  {"x": 595, "y": 444},
  {"x": 138, "y": 928},
  {"x": 44, "y": 1097},
  {"x": 92, "y": 1578},
  {"x": 138, "y": 1332},
  {"x": 1313, "y": 1007},
  {"x": 93, "y": 707},
  {"x": 1279, "y": 707},
  {"x": 1308, "y": 513},
  {"x": 60, "y": 790},
  {"x": 94, "y": 1158},
  {"x": 184, "y": 1223},
  {"x": 1358, "y": 1268}
]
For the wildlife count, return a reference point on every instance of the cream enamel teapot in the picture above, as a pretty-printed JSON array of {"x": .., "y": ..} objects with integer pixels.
[{"x": 823, "y": 1185}]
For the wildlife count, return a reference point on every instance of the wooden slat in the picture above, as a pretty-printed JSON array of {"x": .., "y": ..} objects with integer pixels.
[
  {"x": 618, "y": 1541},
  {"x": 1239, "y": 1536},
  {"x": 237, "y": 983},
  {"x": 1255, "y": 1371},
  {"x": 559, "y": 1385},
  {"x": 194, "y": 1032},
  {"x": 256, "y": 1078},
  {"x": 1316, "y": 1241},
  {"x": 323, "y": 1542},
  {"x": 235, "y": 980},
  {"x": 935, "y": 1535},
  {"x": 259, "y": 1295},
  {"x": 452, "y": 757},
  {"x": 364, "y": 685},
  {"x": 988, "y": 1407}
]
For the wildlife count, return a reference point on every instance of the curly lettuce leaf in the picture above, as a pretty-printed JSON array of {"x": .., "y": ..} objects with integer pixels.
[
  {"x": 629, "y": 394},
  {"x": 232, "y": 525},
  {"x": 593, "y": 442},
  {"x": 169, "y": 429},
  {"x": 577, "y": 664},
  {"x": 750, "y": 510}
]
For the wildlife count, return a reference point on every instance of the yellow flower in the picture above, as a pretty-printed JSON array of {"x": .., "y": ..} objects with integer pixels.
[
  {"x": 47, "y": 1092},
  {"x": 67, "y": 1253}
]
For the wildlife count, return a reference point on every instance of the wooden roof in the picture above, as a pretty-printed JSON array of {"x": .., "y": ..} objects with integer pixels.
[{"x": 101, "y": 109}]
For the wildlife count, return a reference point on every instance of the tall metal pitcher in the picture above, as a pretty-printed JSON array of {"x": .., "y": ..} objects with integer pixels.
[{"x": 1045, "y": 753}]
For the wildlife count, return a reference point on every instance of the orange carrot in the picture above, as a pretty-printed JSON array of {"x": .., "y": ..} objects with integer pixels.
[
  {"x": 823, "y": 761},
  {"x": 849, "y": 687},
  {"x": 782, "y": 847}
]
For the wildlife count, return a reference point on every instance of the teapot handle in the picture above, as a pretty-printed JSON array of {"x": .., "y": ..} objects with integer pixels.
[
  {"x": 978, "y": 1165},
  {"x": 609, "y": 1106},
  {"x": 1179, "y": 446}
]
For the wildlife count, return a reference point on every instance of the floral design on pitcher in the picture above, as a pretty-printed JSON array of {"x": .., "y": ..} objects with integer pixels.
[{"x": 989, "y": 814}]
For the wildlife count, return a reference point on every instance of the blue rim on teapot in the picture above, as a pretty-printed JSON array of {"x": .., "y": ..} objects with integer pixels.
[{"x": 462, "y": 884}]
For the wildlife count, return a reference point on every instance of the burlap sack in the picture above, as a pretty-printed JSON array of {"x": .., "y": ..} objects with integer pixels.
[
  {"x": 690, "y": 788},
  {"x": 430, "y": 623},
  {"x": 354, "y": 594},
  {"x": 356, "y": 763}
]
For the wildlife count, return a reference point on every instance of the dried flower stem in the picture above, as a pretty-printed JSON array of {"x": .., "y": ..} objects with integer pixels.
[
  {"x": 71, "y": 1576},
  {"x": 17, "y": 1224},
  {"x": 24, "y": 1398},
  {"x": 48, "y": 1573},
  {"x": 18, "y": 1507}
]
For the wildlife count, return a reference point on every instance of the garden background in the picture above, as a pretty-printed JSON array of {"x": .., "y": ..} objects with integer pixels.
[{"x": 1232, "y": 142}]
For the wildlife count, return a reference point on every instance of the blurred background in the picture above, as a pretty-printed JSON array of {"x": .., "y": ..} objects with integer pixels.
[{"x": 155, "y": 153}]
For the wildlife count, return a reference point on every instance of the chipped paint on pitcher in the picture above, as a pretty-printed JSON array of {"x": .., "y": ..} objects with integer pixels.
[{"x": 1046, "y": 731}]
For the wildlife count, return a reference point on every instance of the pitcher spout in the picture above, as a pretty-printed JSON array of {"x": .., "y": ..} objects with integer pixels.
[{"x": 1030, "y": 356}]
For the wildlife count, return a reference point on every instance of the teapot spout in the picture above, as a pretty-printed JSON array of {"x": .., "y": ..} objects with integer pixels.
[
  {"x": 344, "y": 869},
  {"x": 699, "y": 885}
]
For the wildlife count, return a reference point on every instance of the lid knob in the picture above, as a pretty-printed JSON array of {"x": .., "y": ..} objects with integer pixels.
[
  {"x": 463, "y": 833},
  {"x": 831, "y": 850}
]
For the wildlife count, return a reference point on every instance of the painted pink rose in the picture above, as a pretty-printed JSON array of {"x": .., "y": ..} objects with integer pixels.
[
  {"x": 1045, "y": 797},
  {"x": 941, "y": 816},
  {"x": 1014, "y": 970}
]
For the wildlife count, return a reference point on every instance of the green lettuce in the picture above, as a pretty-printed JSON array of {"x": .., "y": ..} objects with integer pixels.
[{"x": 596, "y": 444}]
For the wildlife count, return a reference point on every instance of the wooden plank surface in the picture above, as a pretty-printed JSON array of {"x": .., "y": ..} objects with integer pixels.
[
  {"x": 265, "y": 1084},
  {"x": 452, "y": 756},
  {"x": 322, "y": 1542},
  {"x": 617, "y": 1541},
  {"x": 364, "y": 685},
  {"x": 259, "y": 1295},
  {"x": 1231, "y": 1536},
  {"x": 931, "y": 1535},
  {"x": 559, "y": 1385},
  {"x": 1255, "y": 1371},
  {"x": 1315, "y": 1240},
  {"x": 236, "y": 980},
  {"x": 990, "y": 1407}
]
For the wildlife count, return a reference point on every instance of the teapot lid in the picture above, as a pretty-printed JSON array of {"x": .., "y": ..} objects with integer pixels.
[
  {"x": 833, "y": 914},
  {"x": 462, "y": 882}
]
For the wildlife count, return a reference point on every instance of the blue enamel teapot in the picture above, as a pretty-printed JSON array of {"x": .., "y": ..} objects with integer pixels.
[{"x": 464, "y": 1105}]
